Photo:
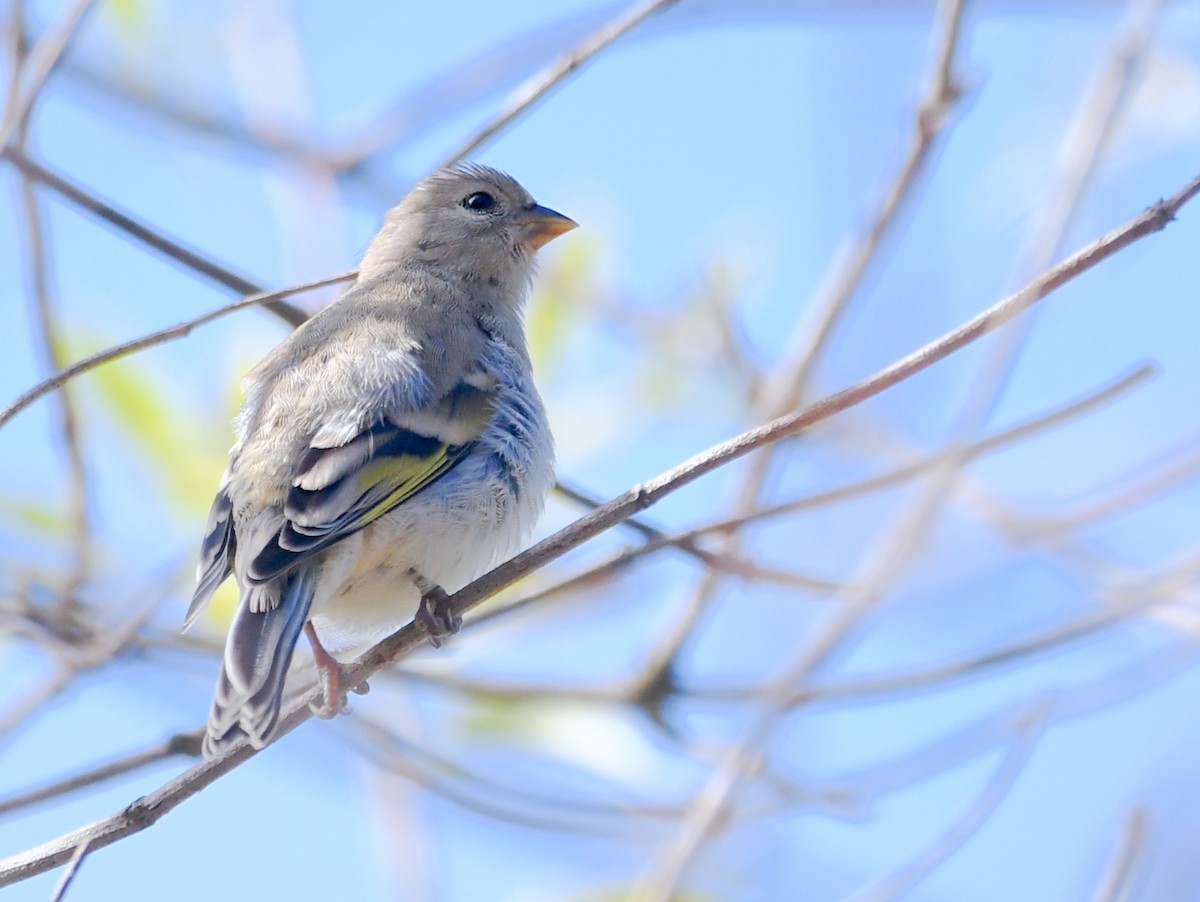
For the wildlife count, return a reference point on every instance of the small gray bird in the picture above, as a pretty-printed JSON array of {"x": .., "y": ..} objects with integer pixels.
[{"x": 391, "y": 447}]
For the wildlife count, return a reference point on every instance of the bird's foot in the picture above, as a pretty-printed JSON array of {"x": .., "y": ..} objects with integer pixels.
[
  {"x": 434, "y": 614},
  {"x": 331, "y": 677}
]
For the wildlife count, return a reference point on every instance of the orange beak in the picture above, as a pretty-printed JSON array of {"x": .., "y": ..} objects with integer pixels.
[{"x": 539, "y": 225}]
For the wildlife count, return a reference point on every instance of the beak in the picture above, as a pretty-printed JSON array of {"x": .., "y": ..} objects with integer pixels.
[{"x": 538, "y": 225}]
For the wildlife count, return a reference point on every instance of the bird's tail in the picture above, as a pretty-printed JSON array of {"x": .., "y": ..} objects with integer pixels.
[{"x": 257, "y": 655}]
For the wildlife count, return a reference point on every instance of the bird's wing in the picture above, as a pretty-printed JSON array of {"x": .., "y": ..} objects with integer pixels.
[
  {"x": 335, "y": 491},
  {"x": 216, "y": 552},
  {"x": 338, "y": 490}
]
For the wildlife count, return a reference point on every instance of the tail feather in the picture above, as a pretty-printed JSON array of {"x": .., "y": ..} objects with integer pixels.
[
  {"x": 257, "y": 655},
  {"x": 216, "y": 553}
]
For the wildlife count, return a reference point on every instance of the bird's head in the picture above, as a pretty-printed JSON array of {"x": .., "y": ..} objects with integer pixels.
[{"x": 472, "y": 221}]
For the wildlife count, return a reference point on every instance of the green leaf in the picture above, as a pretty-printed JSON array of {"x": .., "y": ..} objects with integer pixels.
[
  {"x": 32, "y": 514},
  {"x": 129, "y": 18},
  {"x": 555, "y": 306},
  {"x": 184, "y": 452}
]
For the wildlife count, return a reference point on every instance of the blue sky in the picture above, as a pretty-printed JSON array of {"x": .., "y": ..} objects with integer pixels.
[{"x": 752, "y": 144}]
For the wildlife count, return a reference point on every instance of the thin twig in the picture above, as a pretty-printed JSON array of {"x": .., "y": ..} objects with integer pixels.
[
  {"x": 153, "y": 806},
  {"x": 1131, "y": 602},
  {"x": 559, "y": 71},
  {"x": 157, "y": 338},
  {"x": 81, "y": 852},
  {"x": 31, "y": 77},
  {"x": 787, "y": 389},
  {"x": 967, "y": 743},
  {"x": 187, "y": 744},
  {"x": 100, "y": 648},
  {"x": 1118, "y": 881},
  {"x": 658, "y": 539},
  {"x": 782, "y": 392},
  {"x": 904, "y": 473},
  {"x": 1083, "y": 148},
  {"x": 874, "y": 688},
  {"x": 172, "y": 250},
  {"x": 663, "y": 874},
  {"x": 1146, "y": 482},
  {"x": 1027, "y": 732},
  {"x": 78, "y": 514},
  {"x": 46, "y": 331},
  {"x": 542, "y": 810},
  {"x": 625, "y": 558}
]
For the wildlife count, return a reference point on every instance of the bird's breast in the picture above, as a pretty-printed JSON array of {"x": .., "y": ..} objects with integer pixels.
[{"x": 481, "y": 512}]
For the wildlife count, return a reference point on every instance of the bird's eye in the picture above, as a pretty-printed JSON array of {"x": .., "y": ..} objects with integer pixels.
[{"x": 480, "y": 200}]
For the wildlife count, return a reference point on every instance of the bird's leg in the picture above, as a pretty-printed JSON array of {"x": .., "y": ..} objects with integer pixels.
[
  {"x": 331, "y": 676},
  {"x": 434, "y": 613}
]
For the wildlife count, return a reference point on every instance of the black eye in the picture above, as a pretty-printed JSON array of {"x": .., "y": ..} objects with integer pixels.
[{"x": 480, "y": 200}]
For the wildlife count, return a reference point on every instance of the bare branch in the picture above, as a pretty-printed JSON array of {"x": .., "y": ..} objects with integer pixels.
[
  {"x": 908, "y": 471},
  {"x": 559, "y": 71},
  {"x": 181, "y": 744},
  {"x": 900, "y": 683},
  {"x": 1028, "y": 730},
  {"x": 783, "y": 391},
  {"x": 150, "y": 808},
  {"x": 73, "y": 866},
  {"x": 45, "y": 333},
  {"x": 1144, "y": 482},
  {"x": 787, "y": 388},
  {"x": 68, "y": 421},
  {"x": 1118, "y": 881},
  {"x": 148, "y": 236},
  {"x": 156, "y": 338},
  {"x": 42, "y": 59},
  {"x": 890, "y": 557}
]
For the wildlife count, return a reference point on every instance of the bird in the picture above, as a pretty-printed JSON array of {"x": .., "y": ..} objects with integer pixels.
[{"x": 389, "y": 450}]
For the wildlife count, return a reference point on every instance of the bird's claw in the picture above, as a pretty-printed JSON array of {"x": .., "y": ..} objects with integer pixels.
[
  {"x": 331, "y": 677},
  {"x": 436, "y": 615},
  {"x": 335, "y": 694}
]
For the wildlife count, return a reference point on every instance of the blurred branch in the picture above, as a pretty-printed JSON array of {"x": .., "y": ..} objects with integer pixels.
[
  {"x": 1082, "y": 148},
  {"x": 1090, "y": 132},
  {"x": 891, "y": 555},
  {"x": 97, "y": 647},
  {"x": 1167, "y": 588},
  {"x": 901, "y": 474},
  {"x": 30, "y": 78},
  {"x": 1054, "y": 638},
  {"x": 1065, "y": 704},
  {"x": 180, "y": 744},
  {"x": 68, "y": 876},
  {"x": 559, "y": 71},
  {"x": 468, "y": 82},
  {"x": 1118, "y": 881},
  {"x": 172, "y": 250},
  {"x": 157, "y": 338},
  {"x": 782, "y": 391},
  {"x": 864, "y": 689},
  {"x": 46, "y": 330},
  {"x": 151, "y": 807},
  {"x": 1026, "y": 733},
  {"x": 1144, "y": 482},
  {"x": 529, "y": 808},
  {"x": 656, "y": 540},
  {"x": 533, "y": 808},
  {"x": 78, "y": 514}
]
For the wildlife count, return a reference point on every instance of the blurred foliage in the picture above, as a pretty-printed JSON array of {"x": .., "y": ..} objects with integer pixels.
[{"x": 179, "y": 447}]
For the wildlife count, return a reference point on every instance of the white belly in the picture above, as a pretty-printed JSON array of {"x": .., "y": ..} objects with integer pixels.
[{"x": 450, "y": 533}]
